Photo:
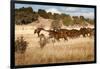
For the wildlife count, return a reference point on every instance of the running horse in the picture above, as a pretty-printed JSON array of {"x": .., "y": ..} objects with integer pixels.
[
  {"x": 38, "y": 31},
  {"x": 87, "y": 32},
  {"x": 61, "y": 33}
]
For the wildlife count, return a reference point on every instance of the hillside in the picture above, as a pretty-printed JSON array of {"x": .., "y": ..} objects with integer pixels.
[{"x": 28, "y": 15}]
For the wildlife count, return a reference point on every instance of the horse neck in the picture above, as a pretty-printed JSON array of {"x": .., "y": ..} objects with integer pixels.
[
  {"x": 46, "y": 30},
  {"x": 39, "y": 30}
]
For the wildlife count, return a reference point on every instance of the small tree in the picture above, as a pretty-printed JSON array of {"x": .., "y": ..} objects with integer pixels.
[
  {"x": 43, "y": 13},
  {"x": 20, "y": 45},
  {"x": 67, "y": 20},
  {"x": 56, "y": 24}
]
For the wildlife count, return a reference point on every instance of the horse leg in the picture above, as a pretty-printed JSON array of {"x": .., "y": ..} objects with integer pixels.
[
  {"x": 65, "y": 38},
  {"x": 84, "y": 35},
  {"x": 38, "y": 34},
  {"x": 53, "y": 41},
  {"x": 57, "y": 39}
]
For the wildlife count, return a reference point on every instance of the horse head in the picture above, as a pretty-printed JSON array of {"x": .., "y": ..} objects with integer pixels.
[{"x": 37, "y": 30}]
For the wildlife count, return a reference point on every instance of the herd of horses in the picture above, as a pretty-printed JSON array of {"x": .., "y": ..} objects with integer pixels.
[
  {"x": 58, "y": 34},
  {"x": 66, "y": 33},
  {"x": 21, "y": 45}
]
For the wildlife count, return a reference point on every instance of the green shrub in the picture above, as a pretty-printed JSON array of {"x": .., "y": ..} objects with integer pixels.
[
  {"x": 43, "y": 13},
  {"x": 20, "y": 45},
  {"x": 67, "y": 21}
]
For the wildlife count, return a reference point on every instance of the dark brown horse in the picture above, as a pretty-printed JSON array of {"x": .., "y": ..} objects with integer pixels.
[
  {"x": 58, "y": 34},
  {"x": 91, "y": 31},
  {"x": 73, "y": 33},
  {"x": 87, "y": 31},
  {"x": 38, "y": 31},
  {"x": 61, "y": 33}
]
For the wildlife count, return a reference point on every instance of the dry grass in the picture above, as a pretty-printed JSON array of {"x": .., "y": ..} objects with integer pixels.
[{"x": 73, "y": 50}]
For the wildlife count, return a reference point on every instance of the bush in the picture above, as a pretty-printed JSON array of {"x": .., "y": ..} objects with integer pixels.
[
  {"x": 20, "y": 45},
  {"x": 43, "y": 13},
  {"x": 67, "y": 21},
  {"x": 55, "y": 25},
  {"x": 25, "y": 16},
  {"x": 90, "y": 21}
]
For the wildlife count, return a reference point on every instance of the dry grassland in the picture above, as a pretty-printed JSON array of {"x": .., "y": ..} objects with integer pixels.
[{"x": 74, "y": 50}]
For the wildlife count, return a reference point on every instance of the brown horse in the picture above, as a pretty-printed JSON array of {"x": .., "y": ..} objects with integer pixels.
[
  {"x": 53, "y": 34},
  {"x": 87, "y": 32},
  {"x": 90, "y": 31},
  {"x": 73, "y": 33},
  {"x": 61, "y": 33},
  {"x": 38, "y": 31}
]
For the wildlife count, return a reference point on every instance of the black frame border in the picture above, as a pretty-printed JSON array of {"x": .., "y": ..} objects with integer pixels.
[{"x": 12, "y": 34}]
